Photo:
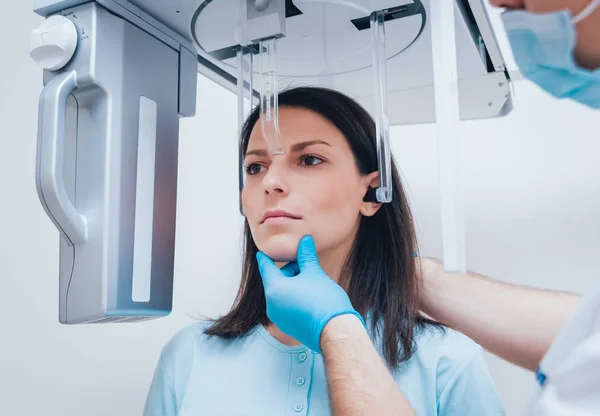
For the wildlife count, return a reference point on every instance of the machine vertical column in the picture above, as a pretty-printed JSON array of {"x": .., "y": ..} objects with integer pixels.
[
  {"x": 108, "y": 180},
  {"x": 443, "y": 38}
]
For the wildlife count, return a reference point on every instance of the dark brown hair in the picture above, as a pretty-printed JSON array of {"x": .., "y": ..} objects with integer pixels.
[{"x": 380, "y": 273}]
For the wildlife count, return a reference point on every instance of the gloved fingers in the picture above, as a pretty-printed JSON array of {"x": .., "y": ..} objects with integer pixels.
[
  {"x": 307, "y": 253},
  {"x": 291, "y": 269},
  {"x": 268, "y": 270}
]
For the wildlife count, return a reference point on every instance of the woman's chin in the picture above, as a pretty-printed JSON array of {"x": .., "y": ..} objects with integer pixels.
[{"x": 281, "y": 247}]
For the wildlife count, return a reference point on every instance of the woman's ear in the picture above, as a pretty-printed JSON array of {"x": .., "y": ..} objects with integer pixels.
[{"x": 368, "y": 207}]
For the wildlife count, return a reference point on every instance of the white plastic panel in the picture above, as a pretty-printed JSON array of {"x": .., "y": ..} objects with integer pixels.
[
  {"x": 175, "y": 14},
  {"x": 144, "y": 201}
]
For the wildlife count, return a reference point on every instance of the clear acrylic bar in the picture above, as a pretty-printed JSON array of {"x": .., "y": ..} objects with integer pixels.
[
  {"x": 269, "y": 90},
  {"x": 245, "y": 92},
  {"x": 447, "y": 116},
  {"x": 384, "y": 191}
]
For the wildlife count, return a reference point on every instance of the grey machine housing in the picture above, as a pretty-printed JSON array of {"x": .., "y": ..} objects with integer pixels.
[{"x": 109, "y": 120}]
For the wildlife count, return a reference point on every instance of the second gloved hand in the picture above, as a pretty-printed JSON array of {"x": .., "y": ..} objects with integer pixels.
[{"x": 301, "y": 298}]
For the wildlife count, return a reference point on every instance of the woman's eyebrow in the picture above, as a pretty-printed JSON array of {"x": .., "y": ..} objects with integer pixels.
[
  {"x": 303, "y": 145},
  {"x": 297, "y": 147},
  {"x": 256, "y": 152}
]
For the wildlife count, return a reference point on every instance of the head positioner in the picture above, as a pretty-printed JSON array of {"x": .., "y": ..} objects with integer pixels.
[{"x": 255, "y": 11}]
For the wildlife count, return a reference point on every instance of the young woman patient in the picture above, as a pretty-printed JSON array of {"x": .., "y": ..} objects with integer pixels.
[{"x": 241, "y": 363}]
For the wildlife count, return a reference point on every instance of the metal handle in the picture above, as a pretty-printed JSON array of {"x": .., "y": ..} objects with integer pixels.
[{"x": 50, "y": 154}]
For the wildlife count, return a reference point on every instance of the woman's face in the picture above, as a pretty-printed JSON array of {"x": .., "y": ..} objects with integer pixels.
[{"x": 314, "y": 188}]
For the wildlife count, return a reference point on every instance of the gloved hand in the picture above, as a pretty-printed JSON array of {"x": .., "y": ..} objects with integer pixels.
[{"x": 301, "y": 298}]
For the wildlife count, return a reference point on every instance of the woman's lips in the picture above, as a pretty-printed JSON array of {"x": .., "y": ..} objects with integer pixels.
[
  {"x": 279, "y": 220},
  {"x": 278, "y": 217}
]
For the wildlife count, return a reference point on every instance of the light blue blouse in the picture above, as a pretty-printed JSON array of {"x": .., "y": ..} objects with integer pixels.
[{"x": 259, "y": 376}]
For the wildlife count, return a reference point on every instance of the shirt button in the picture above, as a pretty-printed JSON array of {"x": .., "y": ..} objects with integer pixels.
[
  {"x": 300, "y": 381},
  {"x": 298, "y": 408},
  {"x": 302, "y": 357}
]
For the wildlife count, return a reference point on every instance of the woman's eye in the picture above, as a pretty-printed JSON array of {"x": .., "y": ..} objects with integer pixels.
[
  {"x": 253, "y": 169},
  {"x": 310, "y": 160}
]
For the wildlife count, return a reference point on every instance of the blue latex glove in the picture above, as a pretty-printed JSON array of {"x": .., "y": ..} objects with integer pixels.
[{"x": 301, "y": 298}]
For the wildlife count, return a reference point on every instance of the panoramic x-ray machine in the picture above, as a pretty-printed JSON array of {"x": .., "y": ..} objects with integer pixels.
[{"x": 119, "y": 74}]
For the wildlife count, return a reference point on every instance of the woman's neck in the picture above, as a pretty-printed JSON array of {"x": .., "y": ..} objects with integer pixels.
[
  {"x": 280, "y": 336},
  {"x": 332, "y": 260}
]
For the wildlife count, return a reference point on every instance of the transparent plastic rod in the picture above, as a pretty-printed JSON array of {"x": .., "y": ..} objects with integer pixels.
[
  {"x": 269, "y": 91},
  {"x": 245, "y": 92},
  {"x": 384, "y": 191},
  {"x": 447, "y": 117}
]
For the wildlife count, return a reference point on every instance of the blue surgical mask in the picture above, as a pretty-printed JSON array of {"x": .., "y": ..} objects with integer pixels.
[{"x": 543, "y": 46}]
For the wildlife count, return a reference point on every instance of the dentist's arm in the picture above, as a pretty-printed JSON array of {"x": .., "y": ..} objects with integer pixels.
[
  {"x": 516, "y": 323},
  {"x": 359, "y": 382},
  {"x": 309, "y": 306}
]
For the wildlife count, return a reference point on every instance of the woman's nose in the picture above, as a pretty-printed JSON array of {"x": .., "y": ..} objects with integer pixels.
[{"x": 274, "y": 181}]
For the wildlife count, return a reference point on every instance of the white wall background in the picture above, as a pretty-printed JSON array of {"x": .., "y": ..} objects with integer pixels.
[{"x": 532, "y": 202}]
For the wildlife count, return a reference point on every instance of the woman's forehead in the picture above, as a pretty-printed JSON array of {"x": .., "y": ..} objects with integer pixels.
[{"x": 299, "y": 125}]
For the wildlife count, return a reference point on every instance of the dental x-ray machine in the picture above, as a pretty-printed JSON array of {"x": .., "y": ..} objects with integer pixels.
[{"x": 119, "y": 74}]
